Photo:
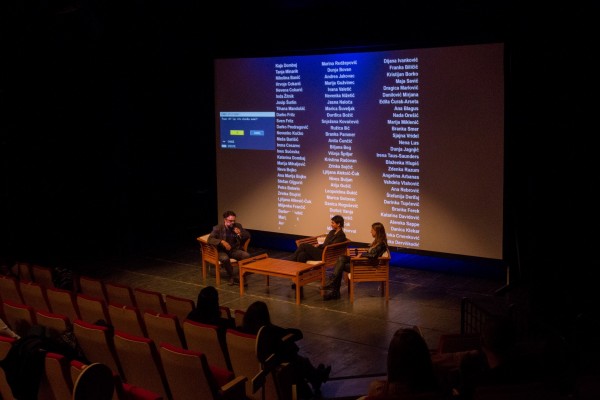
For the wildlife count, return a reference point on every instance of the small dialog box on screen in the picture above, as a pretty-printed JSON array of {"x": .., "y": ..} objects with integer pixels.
[{"x": 248, "y": 130}]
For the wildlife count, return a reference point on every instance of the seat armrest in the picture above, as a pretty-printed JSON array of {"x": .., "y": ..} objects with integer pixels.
[{"x": 311, "y": 240}]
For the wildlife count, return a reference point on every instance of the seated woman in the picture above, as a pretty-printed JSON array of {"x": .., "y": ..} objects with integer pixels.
[
  {"x": 256, "y": 316},
  {"x": 376, "y": 250},
  {"x": 207, "y": 311}
]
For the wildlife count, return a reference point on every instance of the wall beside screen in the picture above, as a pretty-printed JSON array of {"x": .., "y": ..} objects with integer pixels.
[{"x": 412, "y": 138}]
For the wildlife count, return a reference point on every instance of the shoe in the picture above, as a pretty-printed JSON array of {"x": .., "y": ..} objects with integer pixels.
[
  {"x": 328, "y": 285},
  {"x": 324, "y": 372},
  {"x": 235, "y": 282},
  {"x": 333, "y": 295},
  {"x": 321, "y": 378}
]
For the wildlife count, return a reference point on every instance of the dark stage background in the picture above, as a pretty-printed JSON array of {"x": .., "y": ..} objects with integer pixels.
[{"x": 107, "y": 124}]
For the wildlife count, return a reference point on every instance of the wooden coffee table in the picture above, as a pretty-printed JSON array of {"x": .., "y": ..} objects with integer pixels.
[{"x": 300, "y": 273}]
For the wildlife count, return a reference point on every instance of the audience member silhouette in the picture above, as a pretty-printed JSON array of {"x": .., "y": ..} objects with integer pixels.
[
  {"x": 256, "y": 316},
  {"x": 497, "y": 363},
  {"x": 207, "y": 311},
  {"x": 409, "y": 370}
]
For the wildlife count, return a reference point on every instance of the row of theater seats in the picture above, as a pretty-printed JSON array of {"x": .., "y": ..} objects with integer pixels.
[
  {"x": 186, "y": 373},
  {"x": 143, "y": 329}
]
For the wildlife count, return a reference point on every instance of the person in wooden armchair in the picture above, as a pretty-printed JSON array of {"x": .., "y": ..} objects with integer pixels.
[
  {"x": 229, "y": 237},
  {"x": 307, "y": 251},
  {"x": 375, "y": 250}
]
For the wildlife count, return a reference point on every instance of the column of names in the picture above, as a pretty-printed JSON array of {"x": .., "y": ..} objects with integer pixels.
[
  {"x": 340, "y": 123},
  {"x": 401, "y": 177},
  {"x": 291, "y": 163}
]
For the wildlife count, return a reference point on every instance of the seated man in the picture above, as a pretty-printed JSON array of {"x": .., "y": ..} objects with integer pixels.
[
  {"x": 229, "y": 237},
  {"x": 306, "y": 251}
]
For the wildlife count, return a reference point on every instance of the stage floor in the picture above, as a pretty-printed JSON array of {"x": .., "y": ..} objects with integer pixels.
[{"x": 352, "y": 338}]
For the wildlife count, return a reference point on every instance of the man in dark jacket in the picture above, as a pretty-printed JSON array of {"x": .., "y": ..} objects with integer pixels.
[{"x": 229, "y": 237}]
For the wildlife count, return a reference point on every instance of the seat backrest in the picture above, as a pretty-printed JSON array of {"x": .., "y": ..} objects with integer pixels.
[
  {"x": 42, "y": 275},
  {"x": 238, "y": 317},
  {"x": 5, "y": 346},
  {"x": 55, "y": 324},
  {"x": 190, "y": 377},
  {"x": 19, "y": 317},
  {"x": 92, "y": 287},
  {"x": 57, "y": 375},
  {"x": 164, "y": 328},
  {"x": 141, "y": 363},
  {"x": 34, "y": 295},
  {"x": 127, "y": 319},
  {"x": 332, "y": 252},
  {"x": 276, "y": 377},
  {"x": 133, "y": 392},
  {"x": 242, "y": 353},
  {"x": 179, "y": 306},
  {"x": 76, "y": 367},
  {"x": 455, "y": 342},
  {"x": 225, "y": 312},
  {"x": 22, "y": 271},
  {"x": 362, "y": 269},
  {"x": 63, "y": 301},
  {"x": 96, "y": 343},
  {"x": 120, "y": 294},
  {"x": 10, "y": 290},
  {"x": 209, "y": 252},
  {"x": 92, "y": 309},
  {"x": 149, "y": 300},
  {"x": 204, "y": 338}
]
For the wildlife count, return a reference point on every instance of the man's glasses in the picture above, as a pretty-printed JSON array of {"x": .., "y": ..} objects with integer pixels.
[{"x": 230, "y": 220}]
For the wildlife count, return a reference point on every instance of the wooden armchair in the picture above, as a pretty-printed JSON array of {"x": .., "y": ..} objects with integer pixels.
[
  {"x": 362, "y": 270},
  {"x": 210, "y": 255},
  {"x": 330, "y": 253}
]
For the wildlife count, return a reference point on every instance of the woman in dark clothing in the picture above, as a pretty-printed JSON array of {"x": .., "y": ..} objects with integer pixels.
[
  {"x": 207, "y": 311},
  {"x": 375, "y": 250},
  {"x": 272, "y": 342}
]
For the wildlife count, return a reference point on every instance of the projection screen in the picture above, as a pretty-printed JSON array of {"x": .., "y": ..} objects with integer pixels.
[{"x": 412, "y": 138}]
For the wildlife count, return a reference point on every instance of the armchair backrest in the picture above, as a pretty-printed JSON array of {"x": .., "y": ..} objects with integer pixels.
[
  {"x": 332, "y": 252},
  {"x": 209, "y": 252}
]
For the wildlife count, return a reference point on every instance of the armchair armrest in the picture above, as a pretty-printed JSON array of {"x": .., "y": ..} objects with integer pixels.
[
  {"x": 355, "y": 251},
  {"x": 311, "y": 240},
  {"x": 234, "y": 389}
]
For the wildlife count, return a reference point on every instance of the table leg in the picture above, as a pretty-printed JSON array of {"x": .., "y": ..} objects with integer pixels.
[
  {"x": 241, "y": 282},
  {"x": 298, "y": 288}
]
